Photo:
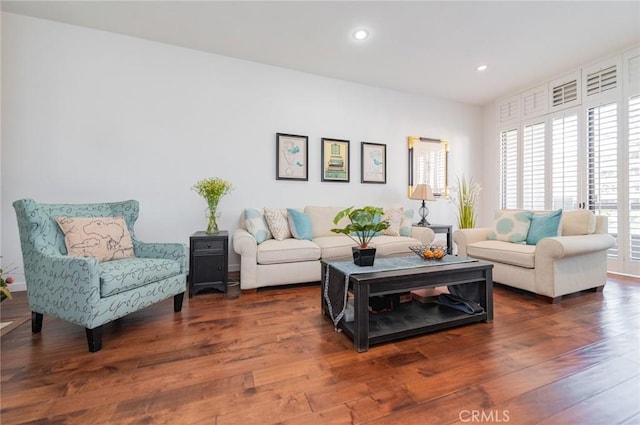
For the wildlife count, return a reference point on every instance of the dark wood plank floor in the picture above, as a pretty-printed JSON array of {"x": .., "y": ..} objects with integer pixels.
[{"x": 270, "y": 358}]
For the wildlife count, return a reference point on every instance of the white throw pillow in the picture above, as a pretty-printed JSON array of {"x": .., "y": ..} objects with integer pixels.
[
  {"x": 278, "y": 223},
  {"x": 511, "y": 226},
  {"x": 578, "y": 222},
  {"x": 394, "y": 216}
]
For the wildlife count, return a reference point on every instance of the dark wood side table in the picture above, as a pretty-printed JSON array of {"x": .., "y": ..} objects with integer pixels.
[
  {"x": 208, "y": 261},
  {"x": 442, "y": 228}
]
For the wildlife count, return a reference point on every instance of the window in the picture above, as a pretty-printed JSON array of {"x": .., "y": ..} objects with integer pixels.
[
  {"x": 602, "y": 165},
  {"x": 579, "y": 151},
  {"x": 533, "y": 173},
  {"x": 509, "y": 169},
  {"x": 564, "y": 162},
  {"x": 634, "y": 177}
]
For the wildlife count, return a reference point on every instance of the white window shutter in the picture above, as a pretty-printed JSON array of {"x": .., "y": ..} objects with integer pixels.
[
  {"x": 565, "y": 183},
  {"x": 533, "y": 166},
  {"x": 535, "y": 102},
  {"x": 602, "y": 79},
  {"x": 509, "y": 169},
  {"x": 634, "y": 177},
  {"x": 602, "y": 165},
  {"x": 565, "y": 92},
  {"x": 508, "y": 110}
]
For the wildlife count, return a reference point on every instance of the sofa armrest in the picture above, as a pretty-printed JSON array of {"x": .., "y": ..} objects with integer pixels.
[
  {"x": 423, "y": 234},
  {"x": 571, "y": 246},
  {"x": 169, "y": 251},
  {"x": 246, "y": 246},
  {"x": 63, "y": 286},
  {"x": 464, "y": 237}
]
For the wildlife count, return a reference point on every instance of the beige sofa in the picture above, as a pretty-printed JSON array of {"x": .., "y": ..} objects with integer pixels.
[
  {"x": 280, "y": 262},
  {"x": 555, "y": 266}
]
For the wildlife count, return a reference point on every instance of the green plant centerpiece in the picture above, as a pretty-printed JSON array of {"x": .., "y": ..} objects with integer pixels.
[
  {"x": 466, "y": 202},
  {"x": 212, "y": 189},
  {"x": 364, "y": 224}
]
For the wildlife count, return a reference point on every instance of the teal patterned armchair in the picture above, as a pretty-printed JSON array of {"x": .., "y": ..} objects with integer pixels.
[{"x": 82, "y": 290}]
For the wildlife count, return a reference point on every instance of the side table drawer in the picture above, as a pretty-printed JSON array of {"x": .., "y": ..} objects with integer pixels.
[{"x": 208, "y": 245}]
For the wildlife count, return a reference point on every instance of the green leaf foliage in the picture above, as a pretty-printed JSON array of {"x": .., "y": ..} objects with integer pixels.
[{"x": 364, "y": 224}]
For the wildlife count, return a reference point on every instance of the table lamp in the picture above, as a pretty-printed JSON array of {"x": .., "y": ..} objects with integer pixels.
[{"x": 423, "y": 192}]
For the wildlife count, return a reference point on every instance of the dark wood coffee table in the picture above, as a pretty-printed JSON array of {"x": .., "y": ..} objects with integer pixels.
[{"x": 411, "y": 318}]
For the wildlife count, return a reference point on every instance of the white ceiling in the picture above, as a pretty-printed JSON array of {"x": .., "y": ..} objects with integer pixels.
[{"x": 425, "y": 47}]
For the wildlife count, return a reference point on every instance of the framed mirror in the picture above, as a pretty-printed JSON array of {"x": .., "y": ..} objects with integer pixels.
[{"x": 428, "y": 164}]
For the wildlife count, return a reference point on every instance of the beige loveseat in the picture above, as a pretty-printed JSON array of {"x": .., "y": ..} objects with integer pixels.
[
  {"x": 278, "y": 262},
  {"x": 555, "y": 266}
]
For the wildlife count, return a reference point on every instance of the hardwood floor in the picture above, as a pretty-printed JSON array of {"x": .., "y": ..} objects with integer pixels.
[{"x": 270, "y": 358}]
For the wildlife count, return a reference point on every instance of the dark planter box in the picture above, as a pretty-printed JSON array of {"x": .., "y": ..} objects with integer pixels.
[{"x": 363, "y": 256}]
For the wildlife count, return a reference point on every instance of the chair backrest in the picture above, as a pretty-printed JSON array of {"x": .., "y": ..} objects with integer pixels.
[{"x": 39, "y": 230}]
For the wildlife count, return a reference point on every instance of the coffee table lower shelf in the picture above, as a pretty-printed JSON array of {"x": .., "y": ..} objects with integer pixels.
[
  {"x": 410, "y": 319},
  {"x": 407, "y": 319}
]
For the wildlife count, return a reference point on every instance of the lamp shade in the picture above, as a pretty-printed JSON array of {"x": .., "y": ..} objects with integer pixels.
[{"x": 422, "y": 192}]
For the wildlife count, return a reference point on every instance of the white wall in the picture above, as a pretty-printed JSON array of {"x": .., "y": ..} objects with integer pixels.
[
  {"x": 490, "y": 195},
  {"x": 91, "y": 116}
]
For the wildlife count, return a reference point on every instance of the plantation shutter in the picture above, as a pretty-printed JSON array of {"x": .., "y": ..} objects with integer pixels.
[
  {"x": 421, "y": 172},
  {"x": 564, "y": 162},
  {"x": 535, "y": 102},
  {"x": 533, "y": 158},
  {"x": 634, "y": 177},
  {"x": 565, "y": 92},
  {"x": 509, "y": 169},
  {"x": 602, "y": 165},
  {"x": 602, "y": 80},
  {"x": 508, "y": 110}
]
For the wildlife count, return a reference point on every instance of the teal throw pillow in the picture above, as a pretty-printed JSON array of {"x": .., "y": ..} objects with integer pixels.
[
  {"x": 299, "y": 224},
  {"x": 511, "y": 226},
  {"x": 407, "y": 220},
  {"x": 544, "y": 226},
  {"x": 256, "y": 225}
]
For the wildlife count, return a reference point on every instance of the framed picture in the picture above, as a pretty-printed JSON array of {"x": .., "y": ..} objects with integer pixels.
[
  {"x": 292, "y": 157},
  {"x": 335, "y": 160},
  {"x": 373, "y": 163}
]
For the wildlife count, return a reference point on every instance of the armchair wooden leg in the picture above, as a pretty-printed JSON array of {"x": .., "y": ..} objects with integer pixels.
[
  {"x": 94, "y": 338},
  {"x": 177, "y": 302},
  {"x": 36, "y": 322}
]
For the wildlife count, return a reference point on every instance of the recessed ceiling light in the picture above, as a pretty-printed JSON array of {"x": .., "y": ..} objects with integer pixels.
[
  {"x": 360, "y": 34},
  {"x": 481, "y": 67}
]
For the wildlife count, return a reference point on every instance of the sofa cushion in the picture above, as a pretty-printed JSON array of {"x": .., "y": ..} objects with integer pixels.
[
  {"x": 339, "y": 246},
  {"x": 300, "y": 225},
  {"x": 278, "y": 223},
  {"x": 388, "y": 245},
  {"x": 103, "y": 238},
  {"x": 543, "y": 226},
  {"x": 123, "y": 275},
  {"x": 256, "y": 224},
  {"x": 503, "y": 252},
  {"x": 322, "y": 220},
  {"x": 287, "y": 251},
  {"x": 511, "y": 226},
  {"x": 578, "y": 222},
  {"x": 336, "y": 246}
]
